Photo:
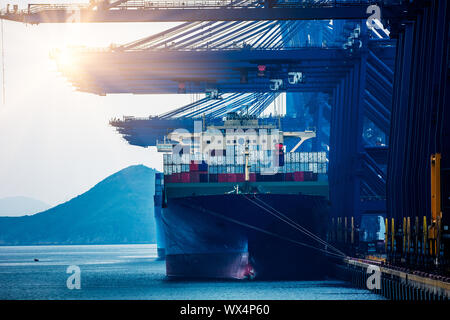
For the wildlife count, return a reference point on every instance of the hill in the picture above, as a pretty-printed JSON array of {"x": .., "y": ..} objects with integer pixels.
[
  {"x": 20, "y": 206},
  {"x": 117, "y": 210}
]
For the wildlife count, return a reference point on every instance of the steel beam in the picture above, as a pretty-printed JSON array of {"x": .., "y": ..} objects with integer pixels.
[{"x": 203, "y": 14}]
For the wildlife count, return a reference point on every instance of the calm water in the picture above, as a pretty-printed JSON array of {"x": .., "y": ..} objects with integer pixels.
[{"x": 131, "y": 272}]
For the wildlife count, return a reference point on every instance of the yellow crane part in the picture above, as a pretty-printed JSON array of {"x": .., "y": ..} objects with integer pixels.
[
  {"x": 392, "y": 234},
  {"x": 386, "y": 234},
  {"x": 436, "y": 213}
]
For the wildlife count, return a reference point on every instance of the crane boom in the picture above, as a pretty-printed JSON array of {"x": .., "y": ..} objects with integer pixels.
[{"x": 224, "y": 10}]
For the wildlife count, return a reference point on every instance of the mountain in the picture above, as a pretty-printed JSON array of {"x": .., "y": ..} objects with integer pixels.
[
  {"x": 119, "y": 209},
  {"x": 20, "y": 206}
]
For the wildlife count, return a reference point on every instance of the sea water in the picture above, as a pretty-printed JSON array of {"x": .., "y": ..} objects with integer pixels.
[{"x": 133, "y": 272}]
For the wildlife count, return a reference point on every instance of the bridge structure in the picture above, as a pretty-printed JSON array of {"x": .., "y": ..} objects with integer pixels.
[
  {"x": 378, "y": 94},
  {"x": 202, "y": 10}
]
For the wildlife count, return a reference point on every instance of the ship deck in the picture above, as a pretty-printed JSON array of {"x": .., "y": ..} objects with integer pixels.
[{"x": 315, "y": 188}]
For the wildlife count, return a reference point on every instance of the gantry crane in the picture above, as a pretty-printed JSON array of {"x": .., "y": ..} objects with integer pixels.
[{"x": 206, "y": 10}]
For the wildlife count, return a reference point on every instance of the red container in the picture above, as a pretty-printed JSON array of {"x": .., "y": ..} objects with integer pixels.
[
  {"x": 222, "y": 177},
  {"x": 194, "y": 177},
  {"x": 168, "y": 178},
  {"x": 240, "y": 177},
  {"x": 299, "y": 176},
  {"x": 184, "y": 177},
  {"x": 175, "y": 178},
  {"x": 232, "y": 177},
  {"x": 289, "y": 176},
  {"x": 252, "y": 177},
  {"x": 193, "y": 166}
]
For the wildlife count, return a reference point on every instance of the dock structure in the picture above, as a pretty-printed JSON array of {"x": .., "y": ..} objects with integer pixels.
[
  {"x": 394, "y": 282},
  {"x": 228, "y": 57}
]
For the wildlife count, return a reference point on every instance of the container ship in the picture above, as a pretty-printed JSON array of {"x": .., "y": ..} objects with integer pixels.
[{"x": 237, "y": 204}]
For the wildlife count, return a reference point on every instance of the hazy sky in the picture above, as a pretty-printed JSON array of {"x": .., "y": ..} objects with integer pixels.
[{"x": 56, "y": 143}]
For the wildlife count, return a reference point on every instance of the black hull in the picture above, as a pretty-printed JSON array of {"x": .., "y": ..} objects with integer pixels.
[{"x": 230, "y": 236}]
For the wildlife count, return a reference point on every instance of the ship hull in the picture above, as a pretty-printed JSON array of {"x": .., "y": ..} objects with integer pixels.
[{"x": 231, "y": 236}]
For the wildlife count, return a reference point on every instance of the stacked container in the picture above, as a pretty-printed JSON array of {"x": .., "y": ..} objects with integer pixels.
[{"x": 229, "y": 166}]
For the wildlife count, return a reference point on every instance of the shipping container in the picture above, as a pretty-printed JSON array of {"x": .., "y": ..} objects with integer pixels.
[
  {"x": 222, "y": 177},
  {"x": 278, "y": 177},
  {"x": 193, "y": 166},
  {"x": 308, "y": 176},
  {"x": 289, "y": 176},
  {"x": 184, "y": 177},
  {"x": 240, "y": 177},
  {"x": 262, "y": 161},
  {"x": 213, "y": 177},
  {"x": 299, "y": 176},
  {"x": 194, "y": 177},
  {"x": 203, "y": 177}
]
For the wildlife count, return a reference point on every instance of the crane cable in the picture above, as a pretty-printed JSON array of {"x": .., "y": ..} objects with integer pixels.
[
  {"x": 295, "y": 225},
  {"x": 306, "y": 231},
  {"x": 202, "y": 209}
]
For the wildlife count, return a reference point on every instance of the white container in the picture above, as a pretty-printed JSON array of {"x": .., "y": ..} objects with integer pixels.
[{"x": 321, "y": 157}]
